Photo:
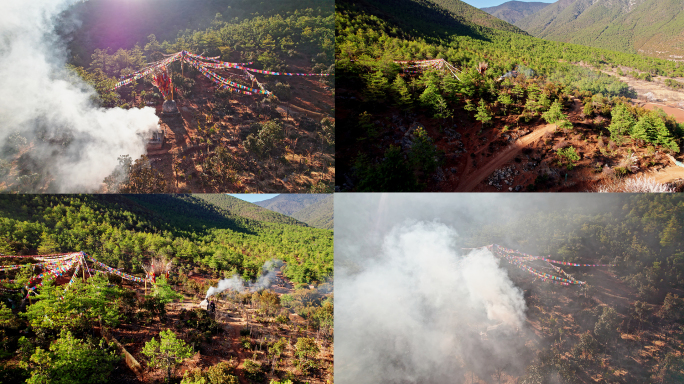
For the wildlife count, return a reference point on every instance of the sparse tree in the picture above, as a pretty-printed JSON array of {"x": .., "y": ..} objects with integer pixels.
[
  {"x": 483, "y": 114},
  {"x": 168, "y": 352},
  {"x": 606, "y": 326}
]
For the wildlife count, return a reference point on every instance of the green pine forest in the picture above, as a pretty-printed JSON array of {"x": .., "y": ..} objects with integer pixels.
[
  {"x": 371, "y": 34},
  {"x": 650, "y": 27},
  {"x": 241, "y": 32},
  {"x": 61, "y": 335},
  {"x": 124, "y": 230}
]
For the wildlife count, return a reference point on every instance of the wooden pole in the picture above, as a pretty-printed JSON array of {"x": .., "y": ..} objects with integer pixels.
[{"x": 171, "y": 80}]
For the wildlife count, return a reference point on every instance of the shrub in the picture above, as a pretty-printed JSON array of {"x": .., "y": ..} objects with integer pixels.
[
  {"x": 253, "y": 371},
  {"x": 269, "y": 136},
  {"x": 568, "y": 155},
  {"x": 282, "y": 91},
  {"x": 554, "y": 113}
]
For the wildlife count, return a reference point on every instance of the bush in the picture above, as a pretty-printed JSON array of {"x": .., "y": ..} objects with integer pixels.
[
  {"x": 282, "y": 91},
  {"x": 72, "y": 361},
  {"x": 269, "y": 136},
  {"x": 554, "y": 113},
  {"x": 423, "y": 152},
  {"x": 220, "y": 373},
  {"x": 569, "y": 156},
  {"x": 253, "y": 371},
  {"x": 606, "y": 326}
]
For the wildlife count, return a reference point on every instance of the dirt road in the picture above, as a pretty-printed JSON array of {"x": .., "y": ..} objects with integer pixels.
[
  {"x": 669, "y": 174},
  {"x": 657, "y": 87},
  {"x": 472, "y": 180}
]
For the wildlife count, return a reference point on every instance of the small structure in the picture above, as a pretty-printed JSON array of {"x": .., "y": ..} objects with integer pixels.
[
  {"x": 157, "y": 140},
  {"x": 512, "y": 74},
  {"x": 169, "y": 108}
]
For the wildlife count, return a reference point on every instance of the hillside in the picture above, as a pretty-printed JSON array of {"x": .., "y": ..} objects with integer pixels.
[
  {"x": 238, "y": 207},
  {"x": 650, "y": 27},
  {"x": 513, "y": 11},
  {"x": 593, "y": 308},
  {"x": 270, "y": 128},
  {"x": 473, "y": 15},
  {"x": 318, "y": 214},
  {"x": 289, "y": 203},
  {"x": 439, "y": 17},
  {"x": 167, "y": 225},
  {"x": 119, "y": 24},
  {"x": 512, "y": 112},
  {"x": 314, "y": 209},
  {"x": 266, "y": 282}
]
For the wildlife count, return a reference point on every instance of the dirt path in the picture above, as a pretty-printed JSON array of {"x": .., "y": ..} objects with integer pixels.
[
  {"x": 232, "y": 329},
  {"x": 669, "y": 174},
  {"x": 477, "y": 176},
  {"x": 657, "y": 87}
]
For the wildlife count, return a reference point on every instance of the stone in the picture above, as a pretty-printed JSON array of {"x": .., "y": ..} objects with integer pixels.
[{"x": 169, "y": 108}]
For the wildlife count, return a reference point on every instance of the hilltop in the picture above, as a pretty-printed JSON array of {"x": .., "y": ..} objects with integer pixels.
[
  {"x": 438, "y": 17},
  {"x": 649, "y": 27},
  {"x": 315, "y": 210},
  {"x": 319, "y": 214},
  {"x": 512, "y": 11},
  {"x": 239, "y": 207}
]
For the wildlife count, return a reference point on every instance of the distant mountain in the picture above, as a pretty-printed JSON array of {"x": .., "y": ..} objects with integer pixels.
[
  {"x": 314, "y": 209},
  {"x": 237, "y": 207},
  {"x": 652, "y": 27},
  {"x": 289, "y": 203},
  {"x": 513, "y": 11},
  {"x": 474, "y": 15},
  {"x": 433, "y": 17},
  {"x": 318, "y": 214}
]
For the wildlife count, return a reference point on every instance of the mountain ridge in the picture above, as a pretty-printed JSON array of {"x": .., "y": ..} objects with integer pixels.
[
  {"x": 650, "y": 27},
  {"x": 512, "y": 11},
  {"x": 315, "y": 210}
]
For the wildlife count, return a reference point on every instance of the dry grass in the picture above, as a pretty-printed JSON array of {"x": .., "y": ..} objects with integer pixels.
[{"x": 636, "y": 184}]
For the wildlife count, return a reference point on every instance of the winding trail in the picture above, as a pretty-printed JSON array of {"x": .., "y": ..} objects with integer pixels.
[{"x": 474, "y": 178}]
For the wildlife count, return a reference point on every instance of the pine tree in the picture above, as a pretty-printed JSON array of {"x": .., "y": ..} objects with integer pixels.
[
  {"x": 554, "y": 114},
  {"x": 402, "y": 95},
  {"x": 643, "y": 129},
  {"x": 430, "y": 98},
  {"x": 483, "y": 114},
  {"x": 423, "y": 152},
  {"x": 168, "y": 352},
  {"x": 376, "y": 87},
  {"x": 506, "y": 100},
  {"x": 622, "y": 122},
  {"x": 663, "y": 135}
]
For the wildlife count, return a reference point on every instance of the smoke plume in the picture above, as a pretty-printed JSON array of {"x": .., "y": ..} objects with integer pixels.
[
  {"x": 50, "y": 124},
  {"x": 422, "y": 311},
  {"x": 236, "y": 283}
]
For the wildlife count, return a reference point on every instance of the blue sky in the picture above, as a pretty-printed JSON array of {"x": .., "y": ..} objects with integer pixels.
[
  {"x": 254, "y": 197},
  {"x": 491, "y": 3}
]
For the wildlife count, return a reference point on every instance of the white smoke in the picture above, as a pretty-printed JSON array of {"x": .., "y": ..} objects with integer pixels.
[
  {"x": 41, "y": 102},
  {"x": 236, "y": 283},
  {"x": 419, "y": 311}
]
